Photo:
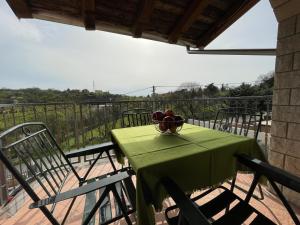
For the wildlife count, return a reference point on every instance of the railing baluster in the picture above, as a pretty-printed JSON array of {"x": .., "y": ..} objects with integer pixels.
[
  {"x": 105, "y": 120},
  {"x": 4, "y": 118},
  {"x": 76, "y": 133},
  {"x": 3, "y": 182},
  {"x": 82, "y": 125},
  {"x": 23, "y": 114},
  {"x": 66, "y": 130},
  {"x": 13, "y": 115},
  {"x": 34, "y": 113},
  {"x": 45, "y": 113},
  {"x": 90, "y": 127}
]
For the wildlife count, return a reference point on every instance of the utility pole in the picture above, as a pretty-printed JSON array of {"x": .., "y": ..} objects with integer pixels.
[
  {"x": 153, "y": 90},
  {"x": 153, "y": 97}
]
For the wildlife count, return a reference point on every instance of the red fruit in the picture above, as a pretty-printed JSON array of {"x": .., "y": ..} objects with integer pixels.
[
  {"x": 158, "y": 115},
  {"x": 162, "y": 127},
  {"x": 178, "y": 121},
  {"x": 168, "y": 122},
  {"x": 173, "y": 127},
  {"x": 169, "y": 112}
]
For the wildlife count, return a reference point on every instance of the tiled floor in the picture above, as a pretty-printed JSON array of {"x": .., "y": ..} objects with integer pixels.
[{"x": 270, "y": 206}]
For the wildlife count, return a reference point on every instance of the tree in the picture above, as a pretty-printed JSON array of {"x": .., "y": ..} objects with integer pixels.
[
  {"x": 189, "y": 86},
  {"x": 211, "y": 90},
  {"x": 242, "y": 90}
]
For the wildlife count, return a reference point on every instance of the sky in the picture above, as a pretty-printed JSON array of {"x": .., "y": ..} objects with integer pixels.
[{"x": 36, "y": 53}]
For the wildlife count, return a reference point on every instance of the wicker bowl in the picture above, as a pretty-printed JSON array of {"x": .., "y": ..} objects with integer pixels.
[{"x": 168, "y": 127}]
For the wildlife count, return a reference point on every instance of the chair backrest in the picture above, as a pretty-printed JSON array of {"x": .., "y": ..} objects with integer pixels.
[
  {"x": 30, "y": 152},
  {"x": 274, "y": 175},
  {"x": 241, "y": 121},
  {"x": 136, "y": 117}
]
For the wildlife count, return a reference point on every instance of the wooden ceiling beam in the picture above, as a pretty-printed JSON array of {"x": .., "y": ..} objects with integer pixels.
[
  {"x": 20, "y": 8},
  {"x": 188, "y": 18},
  {"x": 143, "y": 17},
  {"x": 238, "y": 9},
  {"x": 88, "y": 14}
]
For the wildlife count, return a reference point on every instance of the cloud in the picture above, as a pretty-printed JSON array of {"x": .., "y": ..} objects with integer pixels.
[{"x": 19, "y": 29}]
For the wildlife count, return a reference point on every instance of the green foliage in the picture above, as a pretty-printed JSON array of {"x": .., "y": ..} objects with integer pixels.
[
  {"x": 211, "y": 90},
  {"x": 263, "y": 86},
  {"x": 36, "y": 95}
]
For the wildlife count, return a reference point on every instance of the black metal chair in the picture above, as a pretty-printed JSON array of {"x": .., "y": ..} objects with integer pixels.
[
  {"x": 47, "y": 167},
  {"x": 136, "y": 117},
  {"x": 192, "y": 213},
  {"x": 240, "y": 121}
]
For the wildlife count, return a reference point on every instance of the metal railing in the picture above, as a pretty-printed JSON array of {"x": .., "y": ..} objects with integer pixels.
[{"x": 76, "y": 125}]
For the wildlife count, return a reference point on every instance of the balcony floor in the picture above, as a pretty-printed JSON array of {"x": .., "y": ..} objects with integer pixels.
[{"x": 17, "y": 212}]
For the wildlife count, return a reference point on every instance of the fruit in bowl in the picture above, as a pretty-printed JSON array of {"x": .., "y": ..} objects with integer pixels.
[
  {"x": 162, "y": 127},
  {"x": 178, "y": 121},
  {"x": 169, "y": 112},
  {"x": 167, "y": 122},
  {"x": 158, "y": 115}
]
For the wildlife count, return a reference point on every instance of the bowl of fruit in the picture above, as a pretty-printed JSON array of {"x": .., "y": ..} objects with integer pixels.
[{"x": 167, "y": 122}]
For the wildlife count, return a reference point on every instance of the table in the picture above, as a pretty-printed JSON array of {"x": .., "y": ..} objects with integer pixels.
[{"x": 195, "y": 159}]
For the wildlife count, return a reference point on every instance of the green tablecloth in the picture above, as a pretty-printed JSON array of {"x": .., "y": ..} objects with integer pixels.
[{"x": 196, "y": 158}]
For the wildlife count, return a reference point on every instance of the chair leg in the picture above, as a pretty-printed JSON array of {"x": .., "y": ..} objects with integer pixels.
[
  {"x": 261, "y": 193},
  {"x": 95, "y": 208},
  {"x": 231, "y": 189},
  {"x": 68, "y": 211},
  {"x": 181, "y": 219},
  {"x": 111, "y": 161},
  {"x": 121, "y": 205},
  {"x": 233, "y": 183},
  {"x": 130, "y": 192},
  {"x": 243, "y": 190}
]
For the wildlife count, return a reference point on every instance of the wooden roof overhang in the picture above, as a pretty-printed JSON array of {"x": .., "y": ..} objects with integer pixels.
[{"x": 184, "y": 22}]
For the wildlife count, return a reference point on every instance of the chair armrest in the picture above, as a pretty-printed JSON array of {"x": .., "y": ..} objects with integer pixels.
[
  {"x": 93, "y": 149},
  {"x": 271, "y": 172},
  {"x": 102, "y": 183},
  {"x": 188, "y": 208}
]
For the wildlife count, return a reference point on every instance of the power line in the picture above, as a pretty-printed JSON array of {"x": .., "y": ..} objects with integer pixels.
[
  {"x": 154, "y": 87},
  {"x": 138, "y": 90}
]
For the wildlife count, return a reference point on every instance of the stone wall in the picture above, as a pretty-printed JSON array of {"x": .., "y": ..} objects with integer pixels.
[{"x": 285, "y": 140}]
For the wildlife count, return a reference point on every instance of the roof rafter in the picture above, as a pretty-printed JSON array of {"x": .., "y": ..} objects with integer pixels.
[
  {"x": 236, "y": 11},
  {"x": 88, "y": 14},
  {"x": 188, "y": 18},
  {"x": 20, "y": 8},
  {"x": 143, "y": 17}
]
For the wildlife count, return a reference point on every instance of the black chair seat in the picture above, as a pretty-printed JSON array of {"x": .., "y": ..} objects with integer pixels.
[{"x": 235, "y": 216}]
